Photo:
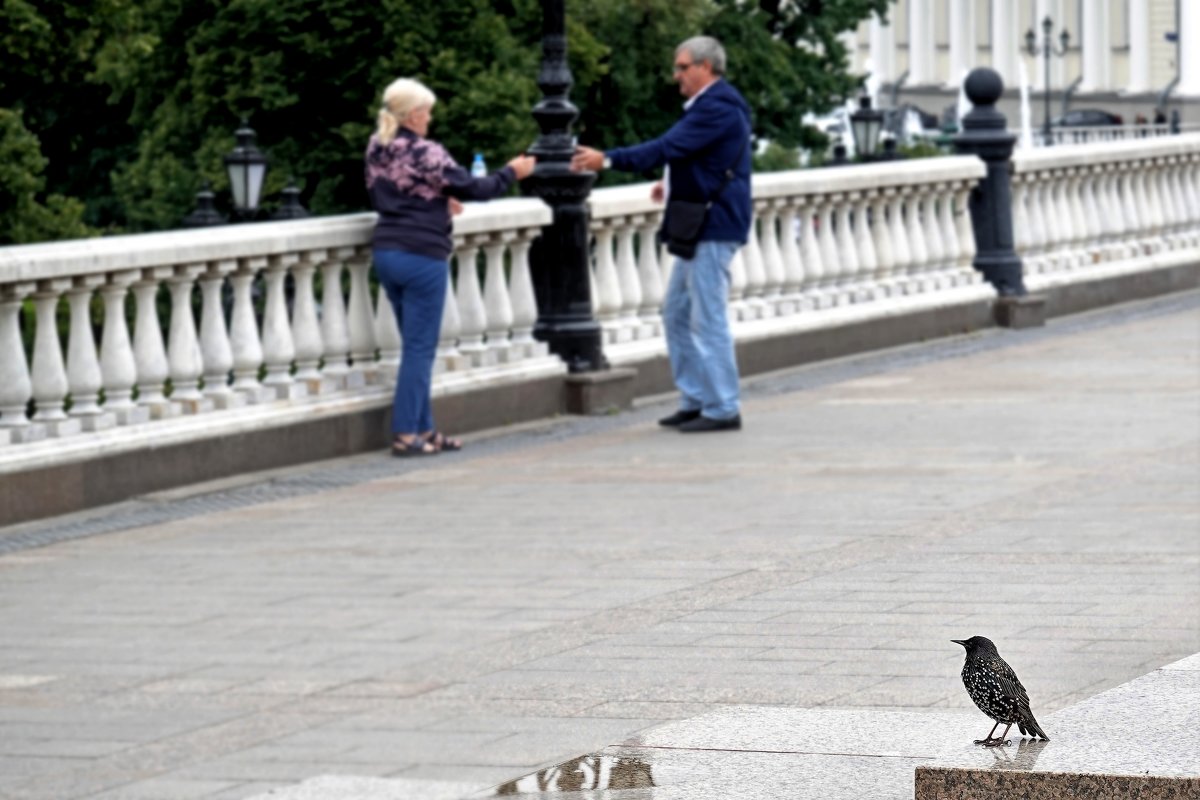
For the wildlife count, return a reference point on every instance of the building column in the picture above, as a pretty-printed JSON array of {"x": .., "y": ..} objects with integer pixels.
[
  {"x": 1189, "y": 48},
  {"x": 1097, "y": 48},
  {"x": 1139, "y": 46},
  {"x": 921, "y": 52},
  {"x": 1004, "y": 41},
  {"x": 883, "y": 49},
  {"x": 962, "y": 40}
]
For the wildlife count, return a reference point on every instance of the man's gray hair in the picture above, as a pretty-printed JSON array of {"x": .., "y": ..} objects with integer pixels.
[{"x": 705, "y": 48}]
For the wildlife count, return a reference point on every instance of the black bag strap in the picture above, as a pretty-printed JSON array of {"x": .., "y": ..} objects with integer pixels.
[{"x": 729, "y": 175}]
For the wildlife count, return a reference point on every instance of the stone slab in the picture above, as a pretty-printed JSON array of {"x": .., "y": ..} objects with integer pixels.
[
  {"x": 1139, "y": 740},
  {"x": 352, "y": 787},
  {"x": 603, "y": 392}
]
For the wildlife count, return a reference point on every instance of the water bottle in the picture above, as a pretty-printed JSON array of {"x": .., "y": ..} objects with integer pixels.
[{"x": 479, "y": 167}]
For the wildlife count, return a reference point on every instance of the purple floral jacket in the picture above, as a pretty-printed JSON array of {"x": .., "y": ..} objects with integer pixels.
[{"x": 409, "y": 181}]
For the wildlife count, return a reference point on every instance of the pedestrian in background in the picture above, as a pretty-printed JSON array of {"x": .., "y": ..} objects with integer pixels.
[
  {"x": 415, "y": 186},
  {"x": 707, "y": 219}
]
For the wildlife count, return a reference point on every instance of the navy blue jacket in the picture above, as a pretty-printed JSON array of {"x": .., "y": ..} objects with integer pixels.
[{"x": 712, "y": 134}]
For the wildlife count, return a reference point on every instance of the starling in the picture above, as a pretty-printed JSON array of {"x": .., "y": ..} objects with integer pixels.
[{"x": 997, "y": 691}]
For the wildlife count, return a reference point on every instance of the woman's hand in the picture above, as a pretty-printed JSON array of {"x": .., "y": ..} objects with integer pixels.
[
  {"x": 656, "y": 192},
  {"x": 456, "y": 207},
  {"x": 523, "y": 166}
]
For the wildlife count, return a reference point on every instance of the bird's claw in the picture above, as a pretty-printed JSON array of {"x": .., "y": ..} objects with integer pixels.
[{"x": 994, "y": 742}]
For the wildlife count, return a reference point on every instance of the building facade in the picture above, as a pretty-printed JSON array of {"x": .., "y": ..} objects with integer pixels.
[{"x": 1130, "y": 57}]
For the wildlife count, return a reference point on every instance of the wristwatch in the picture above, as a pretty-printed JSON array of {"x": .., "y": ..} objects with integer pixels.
[{"x": 607, "y": 163}]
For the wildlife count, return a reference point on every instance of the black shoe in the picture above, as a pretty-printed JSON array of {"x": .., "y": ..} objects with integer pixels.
[
  {"x": 706, "y": 424},
  {"x": 678, "y": 418}
]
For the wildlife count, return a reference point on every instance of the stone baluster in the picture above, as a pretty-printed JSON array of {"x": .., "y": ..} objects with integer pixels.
[
  {"x": 627, "y": 278},
  {"x": 84, "y": 378},
  {"x": 1151, "y": 222},
  {"x": 306, "y": 327},
  {"x": 496, "y": 299},
  {"x": 185, "y": 364},
  {"x": 449, "y": 357},
  {"x": 607, "y": 287},
  {"x": 810, "y": 252},
  {"x": 118, "y": 367},
  {"x": 881, "y": 234},
  {"x": 830, "y": 263},
  {"x": 472, "y": 315},
  {"x": 49, "y": 372},
  {"x": 773, "y": 270},
  {"x": 387, "y": 336},
  {"x": 148, "y": 348},
  {"x": 1022, "y": 233},
  {"x": 243, "y": 332},
  {"x": 897, "y": 283},
  {"x": 1063, "y": 224},
  {"x": 915, "y": 235},
  {"x": 650, "y": 277},
  {"x": 1112, "y": 224},
  {"x": 847, "y": 253},
  {"x": 1166, "y": 171},
  {"x": 335, "y": 330},
  {"x": 789, "y": 254},
  {"x": 361, "y": 315},
  {"x": 1035, "y": 197},
  {"x": 1089, "y": 191},
  {"x": 215, "y": 350},
  {"x": 864, "y": 244},
  {"x": 738, "y": 305},
  {"x": 948, "y": 233},
  {"x": 16, "y": 387},
  {"x": 1082, "y": 243},
  {"x": 1124, "y": 207},
  {"x": 965, "y": 234},
  {"x": 935, "y": 249},
  {"x": 279, "y": 349},
  {"x": 524, "y": 301},
  {"x": 756, "y": 274}
]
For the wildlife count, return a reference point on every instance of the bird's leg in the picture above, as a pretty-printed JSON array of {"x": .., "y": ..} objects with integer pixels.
[
  {"x": 997, "y": 742},
  {"x": 989, "y": 739}
]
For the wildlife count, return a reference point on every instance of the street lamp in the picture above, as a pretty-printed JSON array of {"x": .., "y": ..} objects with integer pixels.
[
  {"x": 866, "y": 124},
  {"x": 247, "y": 167},
  {"x": 1047, "y": 50}
]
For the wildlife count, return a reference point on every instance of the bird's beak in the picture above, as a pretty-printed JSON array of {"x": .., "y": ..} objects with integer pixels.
[{"x": 959, "y": 641}]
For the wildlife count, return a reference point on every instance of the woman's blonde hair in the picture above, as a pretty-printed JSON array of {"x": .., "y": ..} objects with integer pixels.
[{"x": 401, "y": 98}]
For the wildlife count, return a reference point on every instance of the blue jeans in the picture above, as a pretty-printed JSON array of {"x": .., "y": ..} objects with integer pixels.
[
  {"x": 699, "y": 342},
  {"x": 416, "y": 287}
]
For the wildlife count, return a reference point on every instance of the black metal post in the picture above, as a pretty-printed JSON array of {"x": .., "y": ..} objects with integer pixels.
[
  {"x": 985, "y": 134},
  {"x": 559, "y": 260}
]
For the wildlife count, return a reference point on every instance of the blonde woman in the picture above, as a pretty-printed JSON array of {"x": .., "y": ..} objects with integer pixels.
[{"x": 415, "y": 187}]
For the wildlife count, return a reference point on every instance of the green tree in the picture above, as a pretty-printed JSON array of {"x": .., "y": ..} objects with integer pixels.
[{"x": 23, "y": 217}]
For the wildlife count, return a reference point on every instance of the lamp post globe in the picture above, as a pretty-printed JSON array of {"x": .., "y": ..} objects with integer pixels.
[
  {"x": 247, "y": 168},
  {"x": 866, "y": 124}
]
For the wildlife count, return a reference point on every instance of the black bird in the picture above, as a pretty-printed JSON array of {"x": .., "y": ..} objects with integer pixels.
[{"x": 997, "y": 691}]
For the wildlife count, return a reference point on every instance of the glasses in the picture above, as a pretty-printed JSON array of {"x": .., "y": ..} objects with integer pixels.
[{"x": 682, "y": 68}]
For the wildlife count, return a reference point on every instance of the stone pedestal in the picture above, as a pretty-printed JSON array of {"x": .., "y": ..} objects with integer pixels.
[
  {"x": 600, "y": 392},
  {"x": 1020, "y": 311}
]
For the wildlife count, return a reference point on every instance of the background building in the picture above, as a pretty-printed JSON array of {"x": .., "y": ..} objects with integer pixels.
[{"x": 1130, "y": 57}]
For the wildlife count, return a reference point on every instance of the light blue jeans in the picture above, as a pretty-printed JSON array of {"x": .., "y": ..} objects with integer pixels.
[{"x": 699, "y": 342}]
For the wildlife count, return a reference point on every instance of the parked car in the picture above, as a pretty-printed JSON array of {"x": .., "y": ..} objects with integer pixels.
[{"x": 1088, "y": 117}]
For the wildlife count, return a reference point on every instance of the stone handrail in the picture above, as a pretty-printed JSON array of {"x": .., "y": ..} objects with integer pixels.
[{"x": 1080, "y": 205}]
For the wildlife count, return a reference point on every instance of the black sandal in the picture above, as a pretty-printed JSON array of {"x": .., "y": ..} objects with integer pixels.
[
  {"x": 442, "y": 442},
  {"x": 417, "y": 447}
]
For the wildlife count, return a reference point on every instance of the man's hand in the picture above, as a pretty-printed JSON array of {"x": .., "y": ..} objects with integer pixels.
[
  {"x": 456, "y": 207},
  {"x": 656, "y": 192},
  {"x": 587, "y": 159},
  {"x": 522, "y": 166}
]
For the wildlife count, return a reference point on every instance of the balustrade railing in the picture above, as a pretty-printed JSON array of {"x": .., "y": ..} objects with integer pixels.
[
  {"x": 1077, "y": 206},
  {"x": 283, "y": 311},
  {"x": 266, "y": 330}
]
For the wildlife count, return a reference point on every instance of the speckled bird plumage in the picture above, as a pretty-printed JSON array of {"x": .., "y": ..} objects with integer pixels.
[{"x": 996, "y": 690}]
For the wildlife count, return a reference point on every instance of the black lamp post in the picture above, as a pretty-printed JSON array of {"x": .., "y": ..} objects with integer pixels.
[
  {"x": 205, "y": 214},
  {"x": 866, "y": 124},
  {"x": 1047, "y": 49},
  {"x": 247, "y": 167},
  {"x": 559, "y": 262},
  {"x": 289, "y": 207}
]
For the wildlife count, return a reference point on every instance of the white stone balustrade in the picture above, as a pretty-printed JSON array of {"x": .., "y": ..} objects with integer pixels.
[
  {"x": 1080, "y": 206},
  {"x": 257, "y": 333},
  {"x": 268, "y": 317}
]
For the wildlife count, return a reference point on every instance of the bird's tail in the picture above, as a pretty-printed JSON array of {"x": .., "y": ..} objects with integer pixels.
[{"x": 1030, "y": 725}]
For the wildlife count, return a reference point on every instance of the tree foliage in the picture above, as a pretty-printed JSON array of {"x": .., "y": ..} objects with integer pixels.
[{"x": 114, "y": 112}]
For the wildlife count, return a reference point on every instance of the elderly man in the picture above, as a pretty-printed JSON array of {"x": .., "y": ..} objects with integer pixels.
[{"x": 707, "y": 153}]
